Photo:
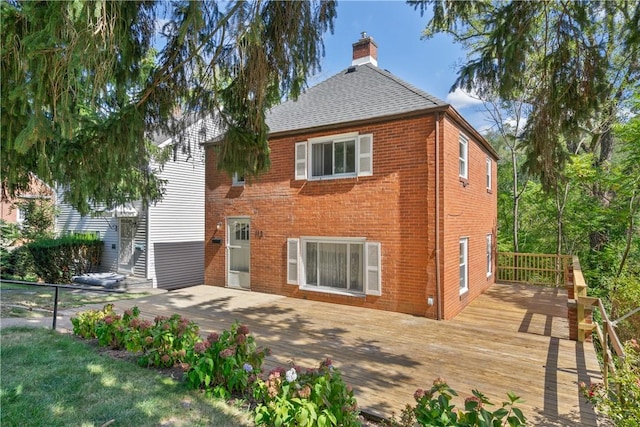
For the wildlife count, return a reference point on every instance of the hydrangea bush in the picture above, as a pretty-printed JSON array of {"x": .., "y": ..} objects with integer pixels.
[
  {"x": 306, "y": 397},
  {"x": 434, "y": 408},
  {"x": 225, "y": 364},
  {"x": 621, "y": 401}
]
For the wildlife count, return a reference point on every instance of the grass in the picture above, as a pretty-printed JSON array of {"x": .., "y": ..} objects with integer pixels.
[
  {"x": 37, "y": 301},
  {"x": 52, "y": 379}
]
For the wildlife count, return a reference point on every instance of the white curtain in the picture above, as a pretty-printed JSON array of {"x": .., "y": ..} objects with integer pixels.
[{"x": 335, "y": 265}]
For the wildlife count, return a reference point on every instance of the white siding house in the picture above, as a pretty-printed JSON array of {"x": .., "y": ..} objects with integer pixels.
[{"x": 163, "y": 243}]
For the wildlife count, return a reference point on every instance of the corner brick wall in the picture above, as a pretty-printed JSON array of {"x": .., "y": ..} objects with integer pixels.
[
  {"x": 395, "y": 207},
  {"x": 468, "y": 209}
]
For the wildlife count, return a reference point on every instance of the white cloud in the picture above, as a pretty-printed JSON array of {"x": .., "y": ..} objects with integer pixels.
[{"x": 461, "y": 99}]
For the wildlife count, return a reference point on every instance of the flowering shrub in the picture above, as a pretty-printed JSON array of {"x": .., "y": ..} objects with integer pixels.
[
  {"x": 621, "y": 403},
  {"x": 225, "y": 363},
  {"x": 311, "y": 397},
  {"x": 84, "y": 323},
  {"x": 434, "y": 408},
  {"x": 113, "y": 329},
  {"x": 164, "y": 342}
]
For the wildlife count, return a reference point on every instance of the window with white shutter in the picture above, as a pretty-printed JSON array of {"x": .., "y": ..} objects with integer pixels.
[
  {"x": 301, "y": 160},
  {"x": 365, "y": 155},
  {"x": 292, "y": 261},
  {"x": 373, "y": 268}
]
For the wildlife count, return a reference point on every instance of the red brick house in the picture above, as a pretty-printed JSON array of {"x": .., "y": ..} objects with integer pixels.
[{"x": 379, "y": 195}]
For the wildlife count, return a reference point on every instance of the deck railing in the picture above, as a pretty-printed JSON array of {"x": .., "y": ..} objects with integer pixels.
[
  {"x": 583, "y": 305},
  {"x": 533, "y": 269}
]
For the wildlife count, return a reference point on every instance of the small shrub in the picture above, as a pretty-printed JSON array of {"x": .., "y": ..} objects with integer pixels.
[
  {"x": 163, "y": 343},
  {"x": 312, "y": 397},
  {"x": 434, "y": 408},
  {"x": 225, "y": 363},
  {"x": 85, "y": 323},
  {"x": 621, "y": 402}
]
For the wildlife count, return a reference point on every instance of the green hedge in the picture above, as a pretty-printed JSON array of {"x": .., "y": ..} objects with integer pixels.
[{"x": 58, "y": 260}]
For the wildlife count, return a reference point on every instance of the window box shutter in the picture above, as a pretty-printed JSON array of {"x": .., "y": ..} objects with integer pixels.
[
  {"x": 292, "y": 261},
  {"x": 373, "y": 269},
  {"x": 301, "y": 160},
  {"x": 365, "y": 155}
]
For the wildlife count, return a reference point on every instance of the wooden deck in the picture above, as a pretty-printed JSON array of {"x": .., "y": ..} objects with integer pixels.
[{"x": 512, "y": 338}]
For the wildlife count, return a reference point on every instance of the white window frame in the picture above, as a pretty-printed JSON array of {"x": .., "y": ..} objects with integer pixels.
[
  {"x": 464, "y": 264},
  {"x": 20, "y": 216},
  {"x": 363, "y": 162},
  {"x": 489, "y": 174},
  {"x": 372, "y": 265},
  {"x": 236, "y": 180},
  {"x": 489, "y": 240},
  {"x": 463, "y": 159}
]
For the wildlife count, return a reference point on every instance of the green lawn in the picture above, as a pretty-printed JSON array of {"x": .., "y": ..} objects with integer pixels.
[
  {"x": 37, "y": 301},
  {"x": 51, "y": 379}
]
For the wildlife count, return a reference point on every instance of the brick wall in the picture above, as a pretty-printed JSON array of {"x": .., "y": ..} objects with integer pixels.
[
  {"x": 395, "y": 207},
  {"x": 468, "y": 210}
]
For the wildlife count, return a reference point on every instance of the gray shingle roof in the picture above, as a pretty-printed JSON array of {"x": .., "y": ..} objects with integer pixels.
[{"x": 356, "y": 93}]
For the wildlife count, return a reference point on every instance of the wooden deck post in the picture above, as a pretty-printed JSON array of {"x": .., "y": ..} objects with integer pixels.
[{"x": 572, "y": 304}]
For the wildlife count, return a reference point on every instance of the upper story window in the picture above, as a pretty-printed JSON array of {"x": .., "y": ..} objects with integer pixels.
[
  {"x": 337, "y": 156},
  {"x": 463, "y": 143},
  {"x": 489, "y": 165}
]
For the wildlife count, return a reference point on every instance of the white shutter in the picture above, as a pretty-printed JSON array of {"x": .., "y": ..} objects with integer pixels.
[
  {"x": 301, "y": 160},
  {"x": 365, "y": 155},
  {"x": 292, "y": 261},
  {"x": 373, "y": 269}
]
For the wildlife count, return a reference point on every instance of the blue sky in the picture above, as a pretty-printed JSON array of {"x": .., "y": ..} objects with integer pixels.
[{"x": 428, "y": 64}]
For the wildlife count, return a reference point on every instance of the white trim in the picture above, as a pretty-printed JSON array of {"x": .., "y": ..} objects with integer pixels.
[
  {"x": 236, "y": 182},
  {"x": 293, "y": 256},
  {"x": 373, "y": 265},
  {"x": 300, "y": 157},
  {"x": 333, "y": 138},
  {"x": 463, "y": 261},
  {"x": 366, "y": 157},
  {"x": 489, "y": 174},
  {"x": 368, "y": 265},
  {"x": 489, "y": 254},
  {"x": 365, "y": 60},
  {"x": 463, "y": 158}
]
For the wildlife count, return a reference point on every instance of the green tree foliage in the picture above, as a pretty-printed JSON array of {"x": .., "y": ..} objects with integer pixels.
[
  {"x": 82, "y": 91},
  {"x": 39, "y": 218},
  {"x": 573, "y": 62}
]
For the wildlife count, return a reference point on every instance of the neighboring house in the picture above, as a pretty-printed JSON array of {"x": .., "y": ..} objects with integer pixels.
[
  {"x": 163, "y": 243},
  {"x": 39, "y": 191},
  {"x": 379, "y": 195}
]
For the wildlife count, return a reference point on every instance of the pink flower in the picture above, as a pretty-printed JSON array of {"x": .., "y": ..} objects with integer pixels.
[
  {"x": 165, "y": 359},
  {"x": 199, "y": 347},
  {"x": 241, "y": 338},
  {"x": 439, "y": 382},
  {"x": 128, "y": 312},
  {"x": 305, "y": 392},
  {"x": 227, "y": 352},
  {"x": 243, "y": 330},
  {"x": 213, "y": 337}
]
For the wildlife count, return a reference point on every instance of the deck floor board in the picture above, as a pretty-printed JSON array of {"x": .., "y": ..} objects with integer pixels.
[{"x": 512, "y": 338}]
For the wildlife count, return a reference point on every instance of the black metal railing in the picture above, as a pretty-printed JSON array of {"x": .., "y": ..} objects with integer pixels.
[{"x": 57, "y": 287}]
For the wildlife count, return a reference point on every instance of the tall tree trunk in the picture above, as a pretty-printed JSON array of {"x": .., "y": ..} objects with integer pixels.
[{"x": 516, "y": 201}]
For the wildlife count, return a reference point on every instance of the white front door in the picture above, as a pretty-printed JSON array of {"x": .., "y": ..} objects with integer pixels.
[
  {"x": 127, "y": 234},
  {"x": 238, "y": 253}
]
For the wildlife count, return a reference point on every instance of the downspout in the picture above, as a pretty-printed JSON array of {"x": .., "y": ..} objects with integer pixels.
[{"x": 437, "y": 146}]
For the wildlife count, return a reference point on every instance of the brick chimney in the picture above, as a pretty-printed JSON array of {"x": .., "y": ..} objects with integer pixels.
[{"x": 365, "y": 51}]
